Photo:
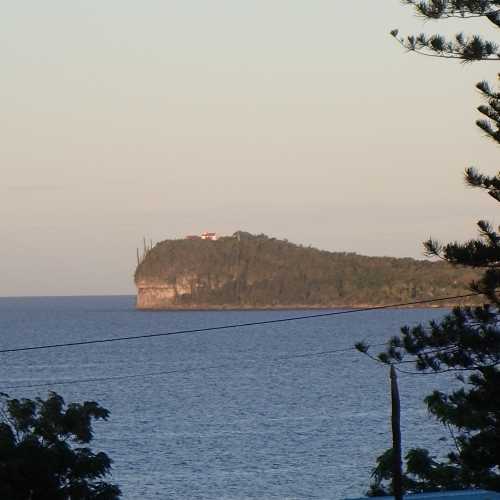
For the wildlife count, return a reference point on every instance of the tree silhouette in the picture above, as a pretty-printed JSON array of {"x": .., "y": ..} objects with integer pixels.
[
  {"x": 43, "y": 452},
  {"x": 467, "y": 341}
]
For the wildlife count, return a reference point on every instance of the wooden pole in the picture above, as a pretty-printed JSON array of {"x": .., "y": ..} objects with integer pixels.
[{"x": 397, "y": 478}]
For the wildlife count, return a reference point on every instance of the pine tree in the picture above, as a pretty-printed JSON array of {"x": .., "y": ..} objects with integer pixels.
[{"x": 467, "y": 341}]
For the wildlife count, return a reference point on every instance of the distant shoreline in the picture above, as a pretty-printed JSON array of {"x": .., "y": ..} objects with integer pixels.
[{"x": 221, "y": 308}]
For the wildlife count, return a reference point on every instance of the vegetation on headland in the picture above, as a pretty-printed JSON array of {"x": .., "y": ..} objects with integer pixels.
[{"x": 246, "y": 270}]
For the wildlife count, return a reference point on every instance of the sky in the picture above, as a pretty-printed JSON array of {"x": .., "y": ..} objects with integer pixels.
[{"x": 301, "y": 120}]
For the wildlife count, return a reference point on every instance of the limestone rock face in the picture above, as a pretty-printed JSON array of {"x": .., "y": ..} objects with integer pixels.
[{"x": 154, "y": 294}]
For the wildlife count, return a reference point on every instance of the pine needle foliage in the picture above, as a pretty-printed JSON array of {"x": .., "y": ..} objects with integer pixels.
[
  {"x": 467, "y": 341},
  {"x": 461, "y": 47}
]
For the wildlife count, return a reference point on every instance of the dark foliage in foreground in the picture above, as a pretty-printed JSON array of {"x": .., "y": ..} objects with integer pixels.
[
  {"x": 44, "y": 453},
  {"x": 467, "y": 341}
]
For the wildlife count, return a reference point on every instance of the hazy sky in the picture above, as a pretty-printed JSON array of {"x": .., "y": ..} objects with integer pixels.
[{"x": 300, "y": 119}]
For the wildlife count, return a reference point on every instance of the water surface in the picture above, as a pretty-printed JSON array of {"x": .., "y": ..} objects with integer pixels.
[{"x": 225, "y": 419}]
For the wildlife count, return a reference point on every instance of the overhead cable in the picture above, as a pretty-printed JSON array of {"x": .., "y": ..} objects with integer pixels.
[
  {"x": 179, "y": 370},
  {"x": 231, "y": 326}
]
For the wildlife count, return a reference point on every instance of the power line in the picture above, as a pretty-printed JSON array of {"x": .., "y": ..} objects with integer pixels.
[
  {"x": 180, "y": 370},
  {"x": 237, "y": 325}
]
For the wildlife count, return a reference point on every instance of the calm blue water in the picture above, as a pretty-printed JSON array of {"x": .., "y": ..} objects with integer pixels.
[{"x": 254, "y": 428}]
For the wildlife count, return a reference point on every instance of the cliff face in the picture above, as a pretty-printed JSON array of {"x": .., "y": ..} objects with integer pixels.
[
  {"x": 154, "y": 294},
  {"x": 246, "y": 271}
]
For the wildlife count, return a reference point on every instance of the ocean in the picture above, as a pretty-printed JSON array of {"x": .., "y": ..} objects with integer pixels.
[{"x": 256, "y": 412}]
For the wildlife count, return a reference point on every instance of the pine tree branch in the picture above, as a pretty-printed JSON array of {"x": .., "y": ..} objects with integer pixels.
[
  {"x": 442, "y": 9},
  {"x": 449, "y": 370},
  {"x": 469, "y": 15},
  {"x": 469, "y": 49}
]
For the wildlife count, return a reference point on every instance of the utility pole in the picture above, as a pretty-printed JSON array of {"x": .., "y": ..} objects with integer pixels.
[{"x": 397, "y": 474}]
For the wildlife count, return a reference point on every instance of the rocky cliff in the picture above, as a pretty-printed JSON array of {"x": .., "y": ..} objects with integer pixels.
[{"x": 255, "y": 271}]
